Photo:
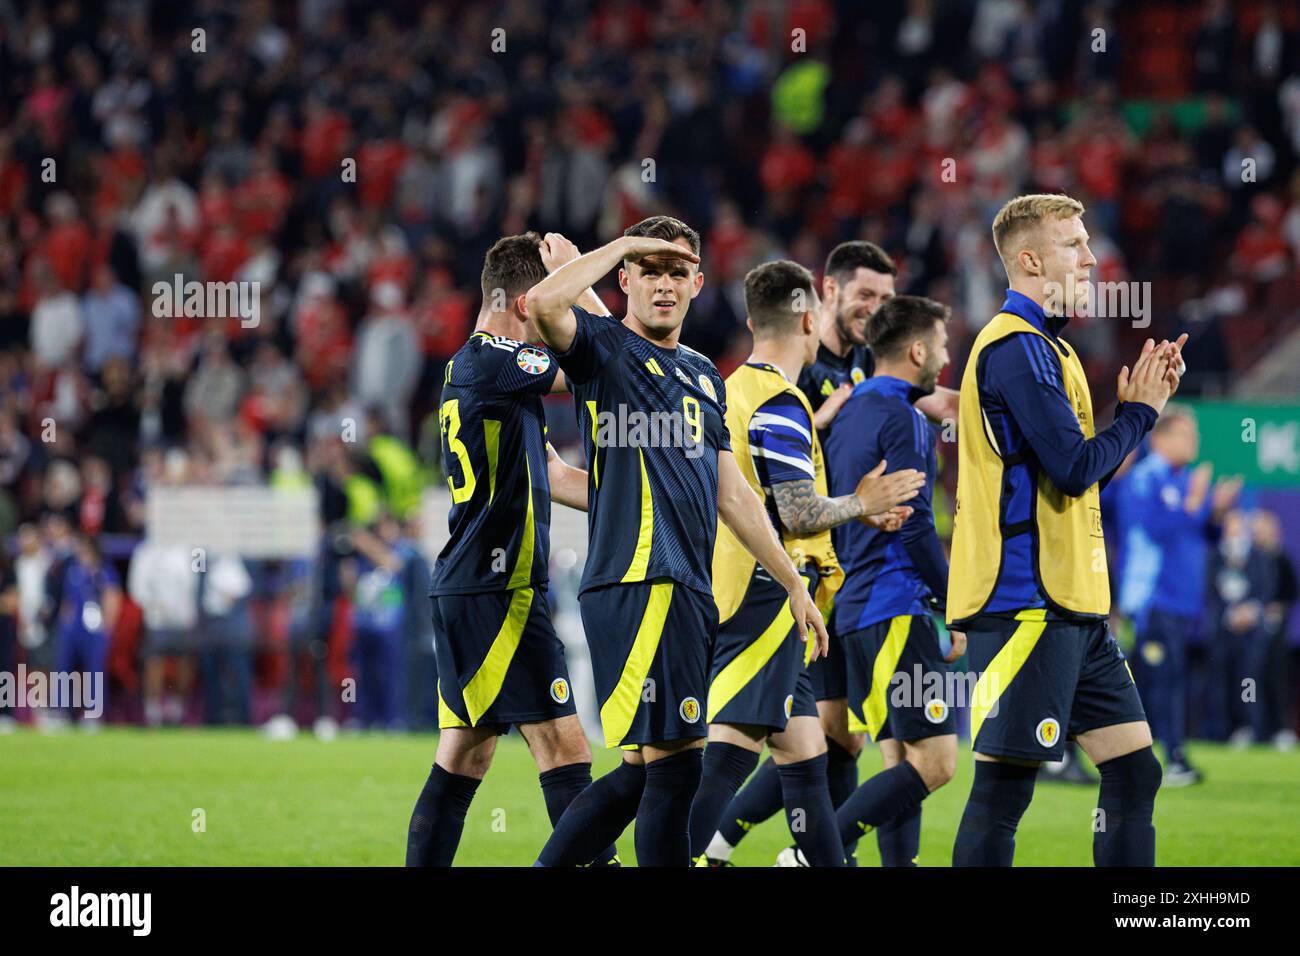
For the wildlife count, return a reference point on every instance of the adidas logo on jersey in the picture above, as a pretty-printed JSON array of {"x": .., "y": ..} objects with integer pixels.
[{"x": 503, "y": 343}]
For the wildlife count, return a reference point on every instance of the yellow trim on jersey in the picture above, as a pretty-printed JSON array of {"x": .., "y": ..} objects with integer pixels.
[
  {"x": 733, "y": 678},
  {"x": 595, "y": 449},
  {"x": 1005, "y": 665},
  {"x": 492, "y": 442},
  {"x": 523, "y": 572},
  {"x": 645, "y": 536},
  {"x": 617, "y": 713},
  {"x": 653, "y": 366},
  {"x": 447, "y": 718},
  {"x": 875, "y": 708},
  {"x": 483, "y": 688}
]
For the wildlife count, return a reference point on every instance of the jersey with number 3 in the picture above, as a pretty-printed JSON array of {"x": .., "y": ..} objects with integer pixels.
[
  {"x": 653, "y": 421},
  {"x": 493, "y": 432}
]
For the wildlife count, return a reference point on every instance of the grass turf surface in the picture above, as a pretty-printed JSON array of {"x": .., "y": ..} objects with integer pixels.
[{"x": 128, "y": 797}]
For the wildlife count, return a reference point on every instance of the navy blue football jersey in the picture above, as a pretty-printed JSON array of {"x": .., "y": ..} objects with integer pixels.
[
  {"x": 494, "y": 456},
  {"x": 886, "y": 574},
  {"x": 828, "y": 372},
  {"x": 653, "y": 421}
]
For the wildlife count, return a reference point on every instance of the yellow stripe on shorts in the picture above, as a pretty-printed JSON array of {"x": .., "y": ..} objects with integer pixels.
[
  {"x": 447, "y": 718},
  {"x": 875, "y": 708},
  {"x": 617, "y": 713},
  {"x": 1005, "y": 665},
  {"x": 485, "y": 685},
  {"x": 733, "y": 678}
]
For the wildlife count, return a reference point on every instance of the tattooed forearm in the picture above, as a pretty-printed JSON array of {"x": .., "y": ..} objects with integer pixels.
[{"x": 803, "y": 511}]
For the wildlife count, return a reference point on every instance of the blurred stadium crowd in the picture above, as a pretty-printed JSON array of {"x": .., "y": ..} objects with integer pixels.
[{"x": 133, "y": 149}]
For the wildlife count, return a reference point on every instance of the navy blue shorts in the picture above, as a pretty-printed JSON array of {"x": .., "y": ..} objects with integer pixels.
[
  {"x": 650, "y": 644},
  {"x": 830, "y": 680},
  {"x": 759, "y": 674},
  {"x": 499, "y": 661},
  {"x": 1042, "y": 682},
  {"x": 899, "y": 683}
]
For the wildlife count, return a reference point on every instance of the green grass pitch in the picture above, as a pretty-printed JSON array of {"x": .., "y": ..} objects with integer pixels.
[{"x": 130, "y": 797}]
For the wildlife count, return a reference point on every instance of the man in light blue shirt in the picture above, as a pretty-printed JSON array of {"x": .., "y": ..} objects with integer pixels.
[{"x": 111, "y": 313}]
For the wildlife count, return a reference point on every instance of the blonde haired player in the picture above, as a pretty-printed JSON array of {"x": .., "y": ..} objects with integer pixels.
[{"x": 1032, "y": 593}]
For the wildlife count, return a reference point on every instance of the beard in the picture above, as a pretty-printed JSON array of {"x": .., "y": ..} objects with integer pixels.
[
  {"x": 928, "y": 380},
  {"x": 851, "y": 328}
]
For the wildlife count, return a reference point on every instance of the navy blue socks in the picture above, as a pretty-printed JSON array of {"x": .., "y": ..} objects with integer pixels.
[
  {"x": 663, "y": 818},
  {"x": 880, "y": 799},
  {"x": 439, "y": 818},
  {"x": 998, "y": 799},
  {"x": 560, "y": 785},
  {"x": 725, "y": 768},
  {"x": 809, "y": 812},
  {"x": 1123, "y": 834},
  {"x": 595, "y": 818}
]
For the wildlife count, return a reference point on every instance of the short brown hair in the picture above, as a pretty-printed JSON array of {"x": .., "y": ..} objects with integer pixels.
[
  {"x": 513, "y": 265},
  {"x": 666, "y": 228},
  {"x": 1025, "y": 212},
  {"x": 902, "y": 320},
  {"x": 848, "y": 257},
  {"x": 772, "y": 291}
]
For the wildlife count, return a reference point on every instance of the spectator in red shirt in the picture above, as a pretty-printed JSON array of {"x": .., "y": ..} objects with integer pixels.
[
  {"x": 443, "y": 314},
  {"x": 263, "y": 198},
  {"x": 13, "y": 178},
  {"x": 67, "y": 243},
  {"x": 223, "y": 252},
  {"x": 1261, "y": 252},
  {"x": 216, "y": 202},
  {"x": 844, "y": 166},
  {"x": 46, "y": 106},
  {"x": 325, "y": 136},
  {"x": 324, "y": 346},
  {"x": 380, "y": 161},
  {"x": 787, "y": 166}
]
